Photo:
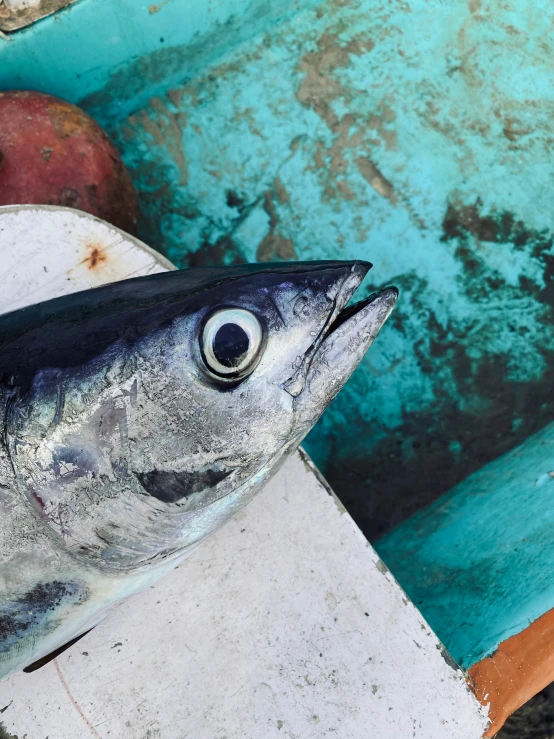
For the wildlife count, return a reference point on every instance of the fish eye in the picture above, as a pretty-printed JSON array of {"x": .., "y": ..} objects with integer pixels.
[{"x": 231, "y": 341}]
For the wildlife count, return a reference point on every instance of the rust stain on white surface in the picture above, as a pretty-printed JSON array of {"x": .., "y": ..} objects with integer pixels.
[{"x": 47, "y": 252}]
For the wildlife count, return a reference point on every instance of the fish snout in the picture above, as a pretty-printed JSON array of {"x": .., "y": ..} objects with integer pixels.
[
  {"x": 342, "y": 279},
  {"x": 340, "y": 351}
]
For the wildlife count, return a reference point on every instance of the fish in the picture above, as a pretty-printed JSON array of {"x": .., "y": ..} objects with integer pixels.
[{"x": 140, "y": 416}]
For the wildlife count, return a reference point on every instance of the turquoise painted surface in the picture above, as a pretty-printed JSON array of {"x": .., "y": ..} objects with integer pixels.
[
  {"x": 417, "y": 134},
  {"x": 414, "y": 134},
  {"x": 478, "y": 562},
  {"x": 110, "y": 54}
]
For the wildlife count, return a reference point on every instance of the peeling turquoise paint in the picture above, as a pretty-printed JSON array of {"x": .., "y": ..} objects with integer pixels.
[
  {"x": 477, "y": 562},
  {"x": 417, "y": 134}
]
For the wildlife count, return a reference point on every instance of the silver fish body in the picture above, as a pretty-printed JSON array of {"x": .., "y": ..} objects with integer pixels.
[{"x": 142, "y": 415}]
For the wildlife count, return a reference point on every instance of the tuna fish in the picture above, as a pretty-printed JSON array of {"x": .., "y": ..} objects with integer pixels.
[{"x": 142, "y": 415}]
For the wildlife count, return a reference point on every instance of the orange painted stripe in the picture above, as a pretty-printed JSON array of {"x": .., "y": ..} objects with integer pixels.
[{"x": 520, "y": 668}]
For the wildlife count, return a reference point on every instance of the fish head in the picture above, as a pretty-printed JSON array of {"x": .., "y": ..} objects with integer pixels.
[
  {"x": 246, "y": 371},
  {"x": 150, "y": 411}
]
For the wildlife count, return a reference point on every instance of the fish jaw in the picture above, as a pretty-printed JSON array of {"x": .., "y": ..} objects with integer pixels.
[
  {"x": 339, "y": 353},
  {"x": 346, "y": 289}
]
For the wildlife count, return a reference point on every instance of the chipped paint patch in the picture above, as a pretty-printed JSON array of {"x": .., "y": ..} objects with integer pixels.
[
  {"x": 376, "y": 178},
  {"x": 153, "y": 9},
  {"x": 520, "y": 668},
  {"x": 382, "y": 567}
]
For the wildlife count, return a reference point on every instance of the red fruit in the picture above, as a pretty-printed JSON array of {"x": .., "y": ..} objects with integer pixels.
[{"x": 52, "y": 153}]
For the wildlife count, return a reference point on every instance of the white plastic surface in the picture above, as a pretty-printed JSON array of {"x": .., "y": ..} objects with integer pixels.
[{"x": 284, "y": 624}]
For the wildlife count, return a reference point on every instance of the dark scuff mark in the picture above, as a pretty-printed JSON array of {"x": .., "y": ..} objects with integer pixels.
[
  {"x": 314, "y": 470},
  {"x": 4, "y": 734},
  {"x": 465, "y": 223},
  {"x": 69, "y": 198},
  {"x": 131, "y": 86},
  {"x": 234, "y": 201},
  {"x": 447, "y": 658},
  {"x": 481, "y": 410},
  {"x": 223, "y": 251},
  {"x": 499, "y": 228},
  {"x": 150, "y": 69}
]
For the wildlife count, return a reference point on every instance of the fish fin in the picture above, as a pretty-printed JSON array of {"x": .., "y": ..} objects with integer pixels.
[{"x": 49, "y": 657}]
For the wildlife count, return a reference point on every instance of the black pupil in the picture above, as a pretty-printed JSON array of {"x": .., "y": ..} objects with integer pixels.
[{"x": 230, "y": 345}]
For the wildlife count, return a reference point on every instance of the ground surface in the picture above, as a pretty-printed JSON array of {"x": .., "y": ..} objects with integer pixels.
[{"x": 535, "y": 720}]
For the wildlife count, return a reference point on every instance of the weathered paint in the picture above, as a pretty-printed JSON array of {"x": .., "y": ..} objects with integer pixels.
[
  {"x": 113, "y": 54},
  {"x": 521, "y": 667},
  {"x": 415, "y": 134},
  {"x": 412, "y": 133},
  {"x": 476, "y": 562}
]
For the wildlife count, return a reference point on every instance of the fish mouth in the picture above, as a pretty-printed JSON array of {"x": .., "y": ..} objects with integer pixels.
[
  {"x": 387, "y": 296},
  {"x": 357, "y": 322}
]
